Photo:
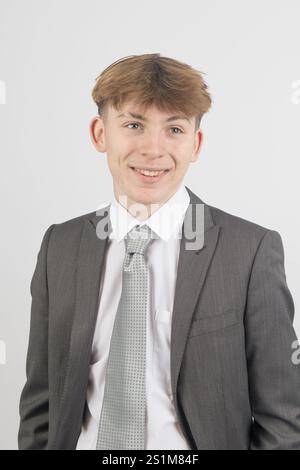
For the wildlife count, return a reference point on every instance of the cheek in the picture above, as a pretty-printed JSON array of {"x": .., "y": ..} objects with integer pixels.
[
  {"x": 181, "y": 163},
  {"x": 114, "y": 167}
]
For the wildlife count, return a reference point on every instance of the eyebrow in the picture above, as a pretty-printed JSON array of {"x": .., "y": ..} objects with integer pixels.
[{"x": 143, "y": 118}]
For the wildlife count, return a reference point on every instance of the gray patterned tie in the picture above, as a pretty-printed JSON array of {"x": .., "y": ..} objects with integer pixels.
[{"x": 122, "y": 420}]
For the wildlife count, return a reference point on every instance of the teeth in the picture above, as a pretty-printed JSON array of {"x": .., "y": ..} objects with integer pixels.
[{"x": 149, "y": 173}]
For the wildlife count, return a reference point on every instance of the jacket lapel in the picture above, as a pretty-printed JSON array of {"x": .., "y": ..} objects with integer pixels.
[{"x": 191, "y": 274}]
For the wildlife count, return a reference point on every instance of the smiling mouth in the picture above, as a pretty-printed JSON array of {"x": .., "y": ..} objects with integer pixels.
[
  {"x": 149, "y": 176},
  {"x": 149, "y": 172}
]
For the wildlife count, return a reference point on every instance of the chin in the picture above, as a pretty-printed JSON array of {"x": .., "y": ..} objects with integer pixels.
[{"x": 146, "y": 196}]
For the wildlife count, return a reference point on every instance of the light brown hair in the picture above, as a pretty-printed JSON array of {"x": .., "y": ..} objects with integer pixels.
[{"x": 151, "y": 79}]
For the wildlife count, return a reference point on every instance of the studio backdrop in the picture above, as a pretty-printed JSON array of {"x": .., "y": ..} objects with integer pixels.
[{"x": 50, "y": 56}]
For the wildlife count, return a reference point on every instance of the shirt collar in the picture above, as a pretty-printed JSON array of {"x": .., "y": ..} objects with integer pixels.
[{"x": 166, "y": 221}]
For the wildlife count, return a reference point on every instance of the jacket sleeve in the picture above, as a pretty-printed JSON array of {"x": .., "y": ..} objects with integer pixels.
[
  {"x": 274, "y": 377},
  {"x": 33, "y": 407}
]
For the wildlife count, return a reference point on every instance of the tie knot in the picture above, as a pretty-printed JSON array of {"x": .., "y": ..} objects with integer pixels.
[{"x": 137, "y": 240}]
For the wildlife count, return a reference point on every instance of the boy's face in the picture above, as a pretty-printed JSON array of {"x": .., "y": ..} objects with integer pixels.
[{"x": 153, "y": 143}]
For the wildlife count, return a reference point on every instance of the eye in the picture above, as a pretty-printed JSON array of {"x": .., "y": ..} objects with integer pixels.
[
  {"x": 177, "y": 129},
  {"x": 132, "y": 124},
  {"x": 137, "y": 124}
]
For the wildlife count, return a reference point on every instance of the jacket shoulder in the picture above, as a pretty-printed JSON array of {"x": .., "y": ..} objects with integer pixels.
[
  {"x": 233, "y": 224},
  {"x": 65, "y": 236},
  {"x": 242, "y": 235},
  {"x": 75, "y": 220}
]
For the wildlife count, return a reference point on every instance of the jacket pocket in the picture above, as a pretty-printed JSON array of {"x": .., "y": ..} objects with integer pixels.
[{"x": 208, "y": 324}]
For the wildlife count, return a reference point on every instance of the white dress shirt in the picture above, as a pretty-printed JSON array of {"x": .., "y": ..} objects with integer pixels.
[{"x": 162, "y": 428}]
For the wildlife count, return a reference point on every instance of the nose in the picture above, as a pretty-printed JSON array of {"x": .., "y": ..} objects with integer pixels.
[{"x": 151, "y": 146}]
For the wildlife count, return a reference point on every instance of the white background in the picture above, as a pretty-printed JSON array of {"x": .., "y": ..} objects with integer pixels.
[{"x": 50, "y": 55}]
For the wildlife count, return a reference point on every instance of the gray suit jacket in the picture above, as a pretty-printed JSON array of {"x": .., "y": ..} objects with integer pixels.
[{"x": 233, "y": 380}]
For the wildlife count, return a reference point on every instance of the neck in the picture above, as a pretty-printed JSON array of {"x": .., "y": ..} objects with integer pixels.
[{"x": 140, "y": 210}]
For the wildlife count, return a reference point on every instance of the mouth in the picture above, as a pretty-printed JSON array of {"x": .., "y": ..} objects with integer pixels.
[{"x": 149, "y": 176}]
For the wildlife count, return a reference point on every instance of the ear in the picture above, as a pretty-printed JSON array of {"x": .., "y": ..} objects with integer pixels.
[
  {"x": 97, "y": 133},
  {"x": 198, "y": 145}
]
